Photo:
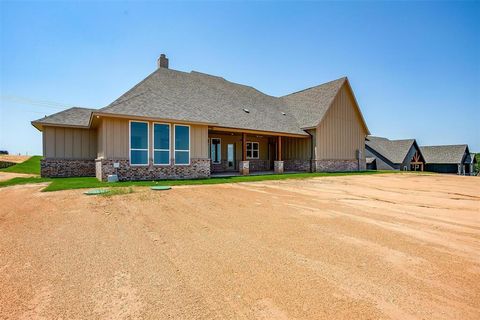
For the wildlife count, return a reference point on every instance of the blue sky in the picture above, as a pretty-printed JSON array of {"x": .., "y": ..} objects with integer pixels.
[{"x": 414, "y": 66}]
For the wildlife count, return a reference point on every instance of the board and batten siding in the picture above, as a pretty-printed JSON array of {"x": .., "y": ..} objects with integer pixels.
[
  {"x": 113, "y": 139},
  {"x": 69, "y": 143},
  {"x": 296, "y": 148},
  {"x": 341, "y": 133}
]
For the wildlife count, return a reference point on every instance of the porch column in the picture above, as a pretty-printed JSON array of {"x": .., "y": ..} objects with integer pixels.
[
  {"x": 244, "y": 165},
  {"x": 278, "y": 164}
]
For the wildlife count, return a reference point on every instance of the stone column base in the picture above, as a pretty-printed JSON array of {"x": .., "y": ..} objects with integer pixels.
[
  {"x": 244, "y": 168},
  {"x": 278, "y": 167}
]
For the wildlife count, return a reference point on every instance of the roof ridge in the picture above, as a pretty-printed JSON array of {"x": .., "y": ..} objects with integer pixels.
[
  {"x": 446, "y": 145},
  {"x": 80, "y": 108},
  {"x": 61, "y": 111},
  {"x": 314, "y": 87},
  {"x": 207, "y": 74},
  {"x": 232, "y": 82}
]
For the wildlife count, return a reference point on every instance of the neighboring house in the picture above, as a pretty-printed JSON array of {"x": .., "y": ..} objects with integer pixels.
[
  {"x": 385, "y": 154},
  {"x": 449, "y": 159},
  {"x": 176, "y": 124}
]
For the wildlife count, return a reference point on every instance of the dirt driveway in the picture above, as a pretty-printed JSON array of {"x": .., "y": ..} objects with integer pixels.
[{"x": 399, "y": 246}]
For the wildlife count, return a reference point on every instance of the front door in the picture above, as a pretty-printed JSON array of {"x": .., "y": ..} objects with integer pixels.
[{"x": 231, "y": 156}]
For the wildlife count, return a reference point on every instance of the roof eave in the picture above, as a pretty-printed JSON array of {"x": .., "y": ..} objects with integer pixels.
[
  {"x": 263, "y": 132},
  {"x": 364, "y": 123},
  {"x": 134, "y": 117},
  {"x": 358, "y": 106},
  {"x": 41, "y": 125}
]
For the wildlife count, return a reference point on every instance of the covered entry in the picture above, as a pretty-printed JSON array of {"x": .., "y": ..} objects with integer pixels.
[
  {"x": 235, "y": 151},
  {"x": 417, "y": 162}
]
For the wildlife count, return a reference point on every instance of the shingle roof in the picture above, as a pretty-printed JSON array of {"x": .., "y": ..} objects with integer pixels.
[
  {"x": 198, "y": 97},
  {"x": 449, "y": 154},
  {"x": 310, "y": 105},
  {"x": 369, "y": 160},
  {"x": 78, "y": 117},
  {"x": 393, "y": 150}
]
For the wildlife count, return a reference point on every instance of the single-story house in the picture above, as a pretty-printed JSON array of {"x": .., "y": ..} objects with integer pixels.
[
  {"x": 385, "y": 154},
  {"x": 449, "y": 159},
  {"x": 176, "y": 124}
]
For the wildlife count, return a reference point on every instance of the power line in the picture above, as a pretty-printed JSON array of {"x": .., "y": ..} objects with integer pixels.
[{"x": 36, "y": 102}]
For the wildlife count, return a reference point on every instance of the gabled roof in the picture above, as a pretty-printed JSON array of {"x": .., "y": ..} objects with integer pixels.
[
  {"x": 393, "y": 150},
  {"x": 370, "y": 160},
  {"x": 470, "y": 159},
  {"x": 310, "y": 105},
  {"x": 447, "y": 154},
  {"x": 198, "y": 97},
  {"x": 74, "y": 117}
]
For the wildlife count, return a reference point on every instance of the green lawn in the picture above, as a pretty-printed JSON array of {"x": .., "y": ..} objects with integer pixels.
[
  {"x": 57, "y": 184},
  {"x": 16, "y": 181},
  {"x": 32, "y": 166}
]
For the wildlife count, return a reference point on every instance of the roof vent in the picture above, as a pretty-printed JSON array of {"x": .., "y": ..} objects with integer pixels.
[
  {"x": 162, "y": 61},
  {"x": 246, "y": 110}
]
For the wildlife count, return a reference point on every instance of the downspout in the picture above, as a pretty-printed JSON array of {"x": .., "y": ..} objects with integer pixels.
[{"x": 311, "y": 150}]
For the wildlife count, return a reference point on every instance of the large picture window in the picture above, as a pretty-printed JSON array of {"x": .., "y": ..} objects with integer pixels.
[
  {"x": 252, "y": 150},
  {"x": 182, "y": 144},
  {"x": 138, "y": 143},
  {"x": 216, "y": 150},
  {"x": 161, "y": 143}
]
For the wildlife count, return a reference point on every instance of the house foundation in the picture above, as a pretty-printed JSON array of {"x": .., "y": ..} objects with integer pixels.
[
  {"x": 62, "y": 168},
  {"x": 338, "y": 165},
  {"x": 197, "y": 169}
]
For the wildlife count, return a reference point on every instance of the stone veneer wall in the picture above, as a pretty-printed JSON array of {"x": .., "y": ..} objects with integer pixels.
[
  {"x": 255, "y": 165},
  {"x": 259, "y": 165},
  {"x": 56, "y": 168},
  {"x": 221, "y": 167},
  {"x": 297, "y": 165},
  {"x": 338, "y": 165},
  {"x": 198, "y": 168},
  {"x": 6, "y": 164}
]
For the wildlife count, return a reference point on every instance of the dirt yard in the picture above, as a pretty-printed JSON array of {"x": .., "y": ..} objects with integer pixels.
[
  {"x": 400, "y": 246},
  {"x": 9, "y": 175},
  {"x": 13, "y": 158}
]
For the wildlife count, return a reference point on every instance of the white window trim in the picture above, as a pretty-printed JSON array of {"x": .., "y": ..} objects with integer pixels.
[
  {"x": 220, "y": 158},
  {"x": 189, "y": 144},
  {"x": 169, "y": 144},
  {"x": 258, "y": 149},
  {"x": 130, "y": 144}
]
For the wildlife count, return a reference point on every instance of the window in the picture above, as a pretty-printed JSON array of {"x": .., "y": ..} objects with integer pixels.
[
  {"x": 138, "y": 143},
  {"x": 182, "y": 144},
  {"x": 161, "y": 143},
  {"x": 216, "y": 150},
  {"x": 252, "y": 150}
]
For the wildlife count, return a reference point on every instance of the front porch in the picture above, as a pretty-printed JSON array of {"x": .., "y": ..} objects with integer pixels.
[
  {"x": 228, "y": 174},
  {"x": 234, "y": 153}
]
